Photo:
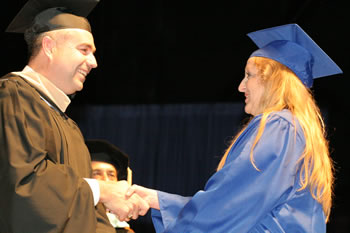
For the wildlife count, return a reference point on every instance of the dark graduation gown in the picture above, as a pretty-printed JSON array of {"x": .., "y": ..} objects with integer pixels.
[{"x": 43, "y": 160}]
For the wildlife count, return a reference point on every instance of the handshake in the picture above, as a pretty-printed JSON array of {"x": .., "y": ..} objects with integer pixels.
[{"x": 125, "y": 201}]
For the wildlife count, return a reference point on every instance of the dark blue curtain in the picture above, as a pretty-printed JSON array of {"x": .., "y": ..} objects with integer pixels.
[{"x": 173, "y": 148}]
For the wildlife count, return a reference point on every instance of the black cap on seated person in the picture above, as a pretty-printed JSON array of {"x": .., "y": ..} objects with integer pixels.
[
  {"x": 291, "y": 46},
  {"x": 103, "y": 151}
]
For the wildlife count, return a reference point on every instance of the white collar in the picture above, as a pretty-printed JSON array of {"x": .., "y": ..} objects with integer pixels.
[
  {"x": 116, "y": 222},
  {"x": 46, "y": 86}
]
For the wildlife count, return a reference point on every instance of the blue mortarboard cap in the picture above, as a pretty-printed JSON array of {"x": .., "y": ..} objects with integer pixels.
[{"x": 291, "y": 46}]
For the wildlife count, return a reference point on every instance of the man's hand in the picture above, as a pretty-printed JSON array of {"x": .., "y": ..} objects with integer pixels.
[
  {"x": 149, "y": 195},
  {"x": 112, "y": 195}
]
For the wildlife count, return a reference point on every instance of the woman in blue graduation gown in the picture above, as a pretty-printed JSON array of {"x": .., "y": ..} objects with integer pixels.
[{"x": 277, "y": 174}]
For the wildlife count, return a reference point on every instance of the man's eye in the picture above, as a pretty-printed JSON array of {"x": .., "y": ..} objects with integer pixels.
[{"x": 84, "y": 51}]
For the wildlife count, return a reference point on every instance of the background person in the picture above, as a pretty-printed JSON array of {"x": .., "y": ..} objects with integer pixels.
[{"x": 109, "y": 163}]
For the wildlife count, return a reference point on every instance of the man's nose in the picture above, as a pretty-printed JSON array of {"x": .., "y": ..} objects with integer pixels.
[{"x": 92, "y": 61}]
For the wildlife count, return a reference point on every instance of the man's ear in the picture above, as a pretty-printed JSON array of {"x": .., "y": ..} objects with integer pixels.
[{"x": 48, "y": 45}]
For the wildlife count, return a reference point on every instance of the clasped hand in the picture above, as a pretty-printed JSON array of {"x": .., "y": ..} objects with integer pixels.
[
  {"x": 147, "y": 194},
  {"x": 126, "y": 207}
]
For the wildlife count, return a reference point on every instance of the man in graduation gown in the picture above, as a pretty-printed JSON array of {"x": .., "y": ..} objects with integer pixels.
[{"x": 44, "y": 163}]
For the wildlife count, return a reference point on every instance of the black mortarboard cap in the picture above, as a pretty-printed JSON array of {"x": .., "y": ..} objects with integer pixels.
[
  {"x": 48, "y": 15},
  {"x": 291, "y": 46},
  {"x": 104, "y": 151}
]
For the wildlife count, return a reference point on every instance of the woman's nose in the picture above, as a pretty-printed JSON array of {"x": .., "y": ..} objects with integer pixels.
[{"x": 241, "y": 87}]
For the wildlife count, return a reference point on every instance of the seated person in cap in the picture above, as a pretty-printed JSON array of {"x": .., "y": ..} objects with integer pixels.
[
  {"x": 109, "y": 163},
  {"x": 45, "y": 168},
  {"x": 276, "y": 176}
]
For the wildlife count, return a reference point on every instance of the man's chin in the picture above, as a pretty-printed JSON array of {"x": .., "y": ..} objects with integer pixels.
[
  {"x": 79, "y": 87},
  {"x": 71, "y": 96}
]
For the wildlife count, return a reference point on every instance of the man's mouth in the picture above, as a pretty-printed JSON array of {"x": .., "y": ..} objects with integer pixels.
[{"x": 84, "y": 73}]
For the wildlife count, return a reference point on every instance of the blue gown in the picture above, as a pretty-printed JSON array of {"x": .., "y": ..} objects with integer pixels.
[{"x": 240, "y": 199}]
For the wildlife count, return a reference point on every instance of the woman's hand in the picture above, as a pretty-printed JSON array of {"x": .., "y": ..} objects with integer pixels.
[{"x": 149, "y": 195}]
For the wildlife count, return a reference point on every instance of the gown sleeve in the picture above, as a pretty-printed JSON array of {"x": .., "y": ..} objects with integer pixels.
[
  {"x": 172, "y": 204},
  {"x": 38, "y": 193},
  {"x": 238, "y": 196}
]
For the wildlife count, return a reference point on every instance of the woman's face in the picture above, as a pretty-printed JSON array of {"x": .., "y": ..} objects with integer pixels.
[{"x": 252, "y": 87}]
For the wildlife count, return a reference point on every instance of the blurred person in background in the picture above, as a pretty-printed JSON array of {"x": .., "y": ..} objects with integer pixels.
[{"x": 109, "y": 163}]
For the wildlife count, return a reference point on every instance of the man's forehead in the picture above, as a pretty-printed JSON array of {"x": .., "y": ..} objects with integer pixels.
[
  {"x": 75, "y": 36},
  {"x": 73, "y": 32},
  {"x": 100, "y": 164}
]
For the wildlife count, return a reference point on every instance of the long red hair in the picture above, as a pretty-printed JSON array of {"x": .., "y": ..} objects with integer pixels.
[{"x": 284, "y": 90}]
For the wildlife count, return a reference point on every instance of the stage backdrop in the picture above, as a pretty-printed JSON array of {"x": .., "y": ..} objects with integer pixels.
[{"x": 172, "y": 147}]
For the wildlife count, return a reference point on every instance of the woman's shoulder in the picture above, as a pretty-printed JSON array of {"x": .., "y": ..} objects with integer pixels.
[
  {"x": 281, "y": 118},
  {"x": 284, "y": 114}
]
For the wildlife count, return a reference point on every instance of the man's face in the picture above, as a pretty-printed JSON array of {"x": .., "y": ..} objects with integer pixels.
[
  {"x": 104, "y": 171},
  {"x": 72, "y": 59}
]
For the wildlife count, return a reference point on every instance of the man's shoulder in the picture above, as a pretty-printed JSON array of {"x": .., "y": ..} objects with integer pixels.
[
  {"x": 12, "y": 77},
  {"x": 13, "y": 86}
]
